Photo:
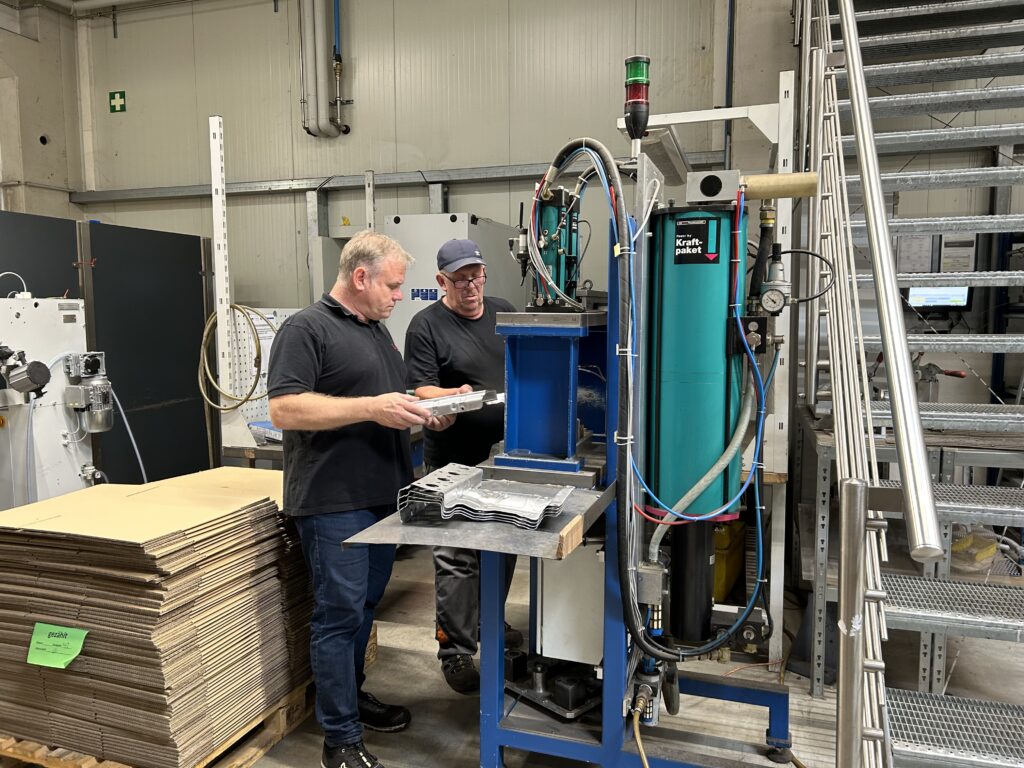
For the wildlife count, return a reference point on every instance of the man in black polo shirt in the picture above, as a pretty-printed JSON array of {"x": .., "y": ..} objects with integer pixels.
[
  {"x": 451, "y": 347},
  {"x": 336, "y": 387}
]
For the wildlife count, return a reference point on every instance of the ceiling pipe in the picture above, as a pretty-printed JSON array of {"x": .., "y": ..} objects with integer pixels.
[
  {"x": 307, "y": 51},
  {"x": 323, "y": 106}
]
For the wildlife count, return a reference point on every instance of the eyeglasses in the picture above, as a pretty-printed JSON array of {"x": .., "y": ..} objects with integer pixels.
[{"x": 464, "y": 284}]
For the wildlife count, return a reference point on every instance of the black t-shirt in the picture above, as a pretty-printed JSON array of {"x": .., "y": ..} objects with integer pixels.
[
  {"x": 444, "y": 349},
  {"x": 326, "y": 349}
]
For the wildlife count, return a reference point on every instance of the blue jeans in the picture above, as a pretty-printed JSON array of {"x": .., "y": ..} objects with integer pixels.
[{"x": 348, "y": 583}]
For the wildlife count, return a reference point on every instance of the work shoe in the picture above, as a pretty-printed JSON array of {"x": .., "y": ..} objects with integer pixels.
[
  {"x": 377, "y": 716},
  {"x": 348, "y": 756},
  {"x": 460, "y": 673}
]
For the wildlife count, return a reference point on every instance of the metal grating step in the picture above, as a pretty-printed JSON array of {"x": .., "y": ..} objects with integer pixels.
[
  {"x": 947, "y": 279},
  {"x": 941, "y": 139},
  {"x": 966, "y": 609},
  {"x": 984, "y": 343},
  {"x": 939, "y": 70},
  {"x": 932, "y": 16},
  {"x": 955, "y": 178},
  {"x": 983, "y": 504},
  {"x": 875, "y": 48},
  {"x": 945, "y": 224},
  {"x": 971, "y": 417},
  {"x": 933, "y": 730},
  {"x": 964, "y": 100}
]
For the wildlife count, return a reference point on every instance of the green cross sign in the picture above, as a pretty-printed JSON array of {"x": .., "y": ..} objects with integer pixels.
[{"x": 117, "y": 101}]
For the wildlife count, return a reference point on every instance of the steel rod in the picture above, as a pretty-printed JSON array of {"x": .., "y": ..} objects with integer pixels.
[
  {"x": 853, "y": 510},
  {"x": 922, "y": 522}
]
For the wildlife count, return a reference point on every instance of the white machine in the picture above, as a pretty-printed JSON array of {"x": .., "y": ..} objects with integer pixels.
[{"x": 54, "y": 394}]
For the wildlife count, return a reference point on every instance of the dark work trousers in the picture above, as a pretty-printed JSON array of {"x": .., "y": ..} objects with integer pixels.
[
  {"x": 348, "y": 583},
  {"x": 457, "y": 585},
  {"x": 457, "y": 590}
]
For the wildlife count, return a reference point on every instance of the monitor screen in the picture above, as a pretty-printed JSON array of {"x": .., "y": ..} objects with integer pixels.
[{"x": 939, "y": 298}]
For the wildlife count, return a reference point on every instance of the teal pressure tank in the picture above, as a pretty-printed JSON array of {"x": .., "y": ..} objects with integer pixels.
[{"x": 693, "y": 391}]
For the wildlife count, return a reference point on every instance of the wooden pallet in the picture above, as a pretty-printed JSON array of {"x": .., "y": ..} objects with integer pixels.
[{"x": 247, "y": 745}]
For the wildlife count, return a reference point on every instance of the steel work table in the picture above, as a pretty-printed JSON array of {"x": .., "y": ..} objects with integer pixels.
[{"x": 555, "y": 539}]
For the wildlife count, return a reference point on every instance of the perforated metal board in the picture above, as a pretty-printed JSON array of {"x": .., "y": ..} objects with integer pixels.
[
  {"x": 933, "y": 730},
  {"x": 245, "y": 350},
  {"x": 960, "y": 416},
  {"x": 984, "y": 504},
  {"x": 966, "y": 608}
]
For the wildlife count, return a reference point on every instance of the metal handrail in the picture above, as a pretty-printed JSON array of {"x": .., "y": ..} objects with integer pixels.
[
  {"x": 862, "y": 739},
  {"x": 919, "y": 505},
  {"x": 853, "y": 508}
]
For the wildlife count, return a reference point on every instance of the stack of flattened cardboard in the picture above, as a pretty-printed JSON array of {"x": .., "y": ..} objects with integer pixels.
[{"x": 196, "y": 604}]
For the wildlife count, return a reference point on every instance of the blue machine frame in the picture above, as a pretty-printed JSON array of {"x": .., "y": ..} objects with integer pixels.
[{"x": 529, "y": 381}]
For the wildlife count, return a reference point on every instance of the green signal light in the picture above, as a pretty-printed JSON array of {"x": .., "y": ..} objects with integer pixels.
[{"x": 638, "y": 70}]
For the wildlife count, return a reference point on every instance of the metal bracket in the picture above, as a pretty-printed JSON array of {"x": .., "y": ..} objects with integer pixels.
[{"x": 883, "y": 499}]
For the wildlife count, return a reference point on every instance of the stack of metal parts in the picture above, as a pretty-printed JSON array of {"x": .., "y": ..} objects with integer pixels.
[
  {"x": 196, "y": 603},
  {"x": 456, "y": 490},
  {"x": 853, "y": 428}
]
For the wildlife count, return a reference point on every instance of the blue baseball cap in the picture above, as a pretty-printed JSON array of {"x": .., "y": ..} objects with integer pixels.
[{"x": 456, "y": 254}]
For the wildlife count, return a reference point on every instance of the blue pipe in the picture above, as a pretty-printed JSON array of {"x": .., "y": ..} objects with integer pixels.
[{"x": 337, "y": 30}]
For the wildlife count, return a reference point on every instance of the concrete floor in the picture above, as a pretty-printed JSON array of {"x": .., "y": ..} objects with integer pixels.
[{"x": 445, "y": 725}]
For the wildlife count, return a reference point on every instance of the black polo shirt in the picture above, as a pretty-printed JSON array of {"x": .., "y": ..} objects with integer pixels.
[
  {"x": 326, "y": 349},
  {"x": 445, "y": 349}
]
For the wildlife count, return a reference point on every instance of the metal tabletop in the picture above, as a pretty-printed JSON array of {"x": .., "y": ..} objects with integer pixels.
[{"x": 556, "y": 538}]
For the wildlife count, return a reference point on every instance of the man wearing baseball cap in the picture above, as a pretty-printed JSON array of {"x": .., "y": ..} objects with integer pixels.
[{"x": 451, "y": 347}]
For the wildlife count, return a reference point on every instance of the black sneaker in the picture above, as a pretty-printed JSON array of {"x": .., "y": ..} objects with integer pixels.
[
  {"x": 348, "y": 756},
  {"x": 460, "y": 673},
  {"x": 377, "y": 716}
]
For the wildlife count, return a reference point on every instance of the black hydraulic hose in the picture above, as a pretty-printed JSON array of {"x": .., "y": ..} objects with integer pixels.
[{"x": 764, "y": 252}]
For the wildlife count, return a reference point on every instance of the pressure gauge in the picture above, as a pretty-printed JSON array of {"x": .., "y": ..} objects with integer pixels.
[{"x": 773, "y": 301}]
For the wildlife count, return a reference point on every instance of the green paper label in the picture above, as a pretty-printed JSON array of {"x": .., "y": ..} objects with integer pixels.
[
  {"x": 54, "y": 646},
  {"x": 117, "y": 101}
]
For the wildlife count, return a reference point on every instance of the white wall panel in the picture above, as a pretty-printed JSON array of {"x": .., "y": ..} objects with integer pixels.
[
  {"x": 567, "y": 74},
  {"x": 451, "y": 83},
  {"x": 157, "y": 140},
  {"x": 260, "y": 233},
  {"x": 681, "y": 47},
  {"x": 243, "y": 60},
  {"x": 38, "y": 126}
]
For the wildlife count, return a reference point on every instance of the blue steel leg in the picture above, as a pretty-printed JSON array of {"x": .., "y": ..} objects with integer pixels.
[
  {"x": 492, "y": 657},
  {"x": 613, "y": 723},
  {"x": 774, "y": 697}
]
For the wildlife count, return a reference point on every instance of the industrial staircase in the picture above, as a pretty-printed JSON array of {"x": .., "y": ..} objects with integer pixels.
[{"x": 913, "y": 45}]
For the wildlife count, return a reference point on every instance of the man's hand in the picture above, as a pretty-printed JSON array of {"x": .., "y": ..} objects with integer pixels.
[
  {"x": 398, "y": 411},
  {"x": 440, "y": 423}
]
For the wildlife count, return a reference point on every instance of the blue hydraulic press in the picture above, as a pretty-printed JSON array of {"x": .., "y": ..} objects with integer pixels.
[{"x": 671, "y": 359}]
